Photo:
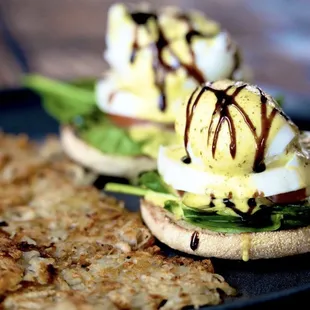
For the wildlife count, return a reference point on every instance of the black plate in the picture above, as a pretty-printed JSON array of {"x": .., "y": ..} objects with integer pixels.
[{"x": 275, "y": 282}]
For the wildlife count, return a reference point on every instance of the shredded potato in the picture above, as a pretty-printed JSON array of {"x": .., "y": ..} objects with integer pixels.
[{"x": 65, "y": 245}]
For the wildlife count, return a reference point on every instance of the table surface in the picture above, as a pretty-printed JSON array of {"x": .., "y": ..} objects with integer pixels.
[{"x": 65, "y": 38}]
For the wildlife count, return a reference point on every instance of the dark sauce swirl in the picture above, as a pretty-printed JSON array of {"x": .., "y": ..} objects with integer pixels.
[
  {"x": 160, "y": 67},
  {"x": 141, "y": 18},
  {"x": 194, "y": 241},
  {"x": 223, "y": 102},
  {"x": 244, "y": 215},
  {"x": 186, "y": 160},
  {"x": 251, "y": 204},
  {"x": 261, "y": 140}
]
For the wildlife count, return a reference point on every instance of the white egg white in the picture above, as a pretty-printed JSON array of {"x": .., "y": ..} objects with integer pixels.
[{"x": 284, "y": 176}]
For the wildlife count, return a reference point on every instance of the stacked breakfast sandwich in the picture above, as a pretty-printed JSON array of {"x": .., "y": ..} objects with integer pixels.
[
  {"x": 237, "y": 186},
  {"x": 155, "y": 58}
]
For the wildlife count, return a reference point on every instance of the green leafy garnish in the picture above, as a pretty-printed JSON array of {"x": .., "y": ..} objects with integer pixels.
[
  {"x": 153, "y": 181},
  {"x": 63, "y": 101},
  {"x": 228, "y": 225},
  {"x": 111, "y": 140},
  {"x": 84, "y": 83},
  {"x": 294, "y": 215},
  {"x": 158, "y": 198},
  {"x": 271, "y": 218},
  {"x": 125, "y": 189},
  {"x": 266, "y": 219},
  {"x": 98, "y": 131},
  {"x": 74, "y": 104},
  {"x": 147, "y": 182},
  {"x": 174, "y": 207}
]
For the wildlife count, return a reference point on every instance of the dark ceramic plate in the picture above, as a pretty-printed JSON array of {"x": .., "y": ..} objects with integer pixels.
[{"x": 263, "y": 283}]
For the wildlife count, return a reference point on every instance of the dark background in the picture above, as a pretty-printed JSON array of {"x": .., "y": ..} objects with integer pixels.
[{"x": 65, "y": 38}]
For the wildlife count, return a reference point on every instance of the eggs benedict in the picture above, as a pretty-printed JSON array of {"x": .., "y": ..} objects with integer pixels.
[
  {"x": 154, "y": 58},
  {"x": 237, "y": 187}
]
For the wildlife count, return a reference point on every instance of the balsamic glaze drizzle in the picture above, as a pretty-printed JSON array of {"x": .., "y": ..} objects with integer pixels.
[
  {"x": 221, "y": 107},
  {"x": 194, "y": 241},
  {"x": 243, "y": 215},
  {"x": 141, "y": 18},
  {"x": 252, "y": 204},
  {"x": 225, "y": 100},
  {"x": 160, "y": 67},
  {"x": 190, "y": 108},
  {"x": 186, "y": 160},
  {"x": 259, "y": 164}
]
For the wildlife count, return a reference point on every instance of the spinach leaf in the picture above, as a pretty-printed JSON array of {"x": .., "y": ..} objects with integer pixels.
[
  {"x": 235, "y": 226},
  {"x": 110, "y": 139},
  {"x": 294, "y": 215},
  {"x": 125, "y": 189},
  {"x": 174, "y": 207},
  {"x": 266, "y": 219},
  {"x": 74, "y": 103},
  {"x": 228, "y": 223},
  {"x": 84, "y": 83},
  {"x": 61, "y": 100},
  {"x": 98, "y": 131},
  {"x": 153, "y": 181}
]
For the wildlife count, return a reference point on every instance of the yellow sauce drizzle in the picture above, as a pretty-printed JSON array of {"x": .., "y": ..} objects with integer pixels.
[{"x": 245, "y": 246}]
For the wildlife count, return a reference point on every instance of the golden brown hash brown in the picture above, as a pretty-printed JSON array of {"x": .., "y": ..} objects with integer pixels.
[{"x": 65, "y": 245}]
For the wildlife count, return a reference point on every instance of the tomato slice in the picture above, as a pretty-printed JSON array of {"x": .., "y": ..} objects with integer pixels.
[
  {"x": 181, "y": 193},
  {"x": 125, "y": 122},
  {"x": 289, "y": 197}
]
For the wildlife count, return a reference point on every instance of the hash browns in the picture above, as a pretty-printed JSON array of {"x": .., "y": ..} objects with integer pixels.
[{"x": 65, "y": 245}]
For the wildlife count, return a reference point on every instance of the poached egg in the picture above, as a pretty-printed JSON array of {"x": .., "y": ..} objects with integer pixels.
[
  {"x": 155, "y": 58},
  {"x": 237, "y": 144}
]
